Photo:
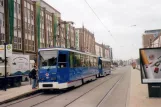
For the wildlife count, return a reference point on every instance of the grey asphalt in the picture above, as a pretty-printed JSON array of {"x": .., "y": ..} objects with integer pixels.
[{"x": 109, "y": 91}]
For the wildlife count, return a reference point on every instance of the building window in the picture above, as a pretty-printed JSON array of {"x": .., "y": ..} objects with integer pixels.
[
  {"x": 33, "y": 46},
  {"x": 1, "y": 19},
  {"x": 15, "y": 23},
  {"x": 15, "y": 7},
  {"x": 32, "y": 7},
  {"x": 42, "y": 19},
  {"x": 32, "y": 15},
  {"x": 24, "y": 3},
  {"x": 28, "y": 5},
  {"x": 32, "y": 30},
  {"x": 25, "y": 12},
  {"x": 19, "y": 44},
  {"x": 26, "y": 44},
  {"x": 19, "y": 8},
  {"x": 15, "y": 43},
  {"x": 29, "y": 13},
  {"x": 29, "y": 26},
  {"x": 1, "y": 2},
  {"x": 2, "y": 38},
  {"x": 15, "y": 46},
  {"x": 19, "y": 24},
  {"x": 25, "y": 26},
  {"x": 42, "y": 33},
  {"x": 15, "y": 39}
]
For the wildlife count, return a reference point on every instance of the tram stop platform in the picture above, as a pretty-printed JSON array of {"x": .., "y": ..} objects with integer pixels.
[
  {"x": 138, "y": 94},
  {"x": 15, "y": 93}
]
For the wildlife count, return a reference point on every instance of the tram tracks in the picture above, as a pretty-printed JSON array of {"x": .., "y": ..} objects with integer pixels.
[
  {"x": 109, "y": 92},
  {"x": 56, "y": 95},
  {"x": 30, "y": 98},
  {"x": 103, "y": 98},
  {"x": 71, "y": 91}
]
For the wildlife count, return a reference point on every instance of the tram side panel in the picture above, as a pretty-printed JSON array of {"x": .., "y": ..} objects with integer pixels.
[{"x": 67, "y": 72}]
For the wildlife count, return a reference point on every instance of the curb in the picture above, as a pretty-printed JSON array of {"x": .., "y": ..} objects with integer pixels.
[
  {"x": 129, "y": 90},
  {"x": 20, "y": 96}
]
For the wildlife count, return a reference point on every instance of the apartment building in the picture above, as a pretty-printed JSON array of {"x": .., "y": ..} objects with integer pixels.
[
  {"x": 2, "y": 24},
  {"x": 147, "y": 40},
  {"x": 99, "y": 49},
  {"x": 25, "y": 32},
  {"x": 77, "y": 39},
  {"x": 155, "y": 32},
  {"x": 107, "y": 51},
  {"x": 156, "y": 42},
  {"x": 40, "y": 26},
  {"x": 86, "y": 40},
  {"x": 72, "y": 34},
  {"x": 103, "y": 50},
  {"x": 149, "y": 36}
]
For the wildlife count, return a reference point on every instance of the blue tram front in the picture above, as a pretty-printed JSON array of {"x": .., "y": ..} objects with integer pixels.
[{"x": 62, "y": 68}]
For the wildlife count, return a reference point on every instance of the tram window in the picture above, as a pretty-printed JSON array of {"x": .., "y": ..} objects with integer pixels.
[
  {"x": 103, "y": 64},
  {"x": 91, "y": 61},
  {"x": 81, "y": 60},
  {"x": 90, "y": 64},
  {"x": 94, "y": 62},
  {"x": 44, "y": 63},
  {"x": 77, "y": 61},
  {"x": 62, "y": 60},
  {"x": 52, "y": 61},
  {"x": 48, "y": 58},
  {"x": 86, "y": 61},
  {"x": 71, "y": 59}
]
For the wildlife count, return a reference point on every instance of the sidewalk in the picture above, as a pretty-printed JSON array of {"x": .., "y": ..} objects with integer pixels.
[
  {"x": 139, "y": 93},
  {"x": 14, "y": 93}
]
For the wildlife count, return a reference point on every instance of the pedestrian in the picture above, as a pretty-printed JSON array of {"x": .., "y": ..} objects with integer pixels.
[{"x": 34, "y": 77}]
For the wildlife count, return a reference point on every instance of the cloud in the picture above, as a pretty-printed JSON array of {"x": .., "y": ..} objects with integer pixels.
[{"x": 118, "y": 16}]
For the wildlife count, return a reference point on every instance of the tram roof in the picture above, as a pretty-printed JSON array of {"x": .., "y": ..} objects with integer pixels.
[{"x": 65, "y": 49}]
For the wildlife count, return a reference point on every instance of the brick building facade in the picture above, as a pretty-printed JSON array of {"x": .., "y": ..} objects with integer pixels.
[
  {"x": 103, "y": 50},
  {"x": 86, "y": 40},
  {"x": 147, "y": 39},
  {"x": 25, "y": 27},
  {"x": 40, "y": 26}
]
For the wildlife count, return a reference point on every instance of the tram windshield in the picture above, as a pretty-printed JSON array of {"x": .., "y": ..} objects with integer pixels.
[{"x": 48, "y": 59}]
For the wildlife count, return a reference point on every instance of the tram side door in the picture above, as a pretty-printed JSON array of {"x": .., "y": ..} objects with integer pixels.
[{"x": 63, "y": 66}]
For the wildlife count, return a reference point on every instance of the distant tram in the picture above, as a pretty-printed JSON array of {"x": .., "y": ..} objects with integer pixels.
[
  {"x": 104, "y": 66},
  {"x": 61, "y": 68}
]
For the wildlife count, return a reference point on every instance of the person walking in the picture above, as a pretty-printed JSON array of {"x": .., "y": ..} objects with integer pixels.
[{"x": 34, "y": 77}]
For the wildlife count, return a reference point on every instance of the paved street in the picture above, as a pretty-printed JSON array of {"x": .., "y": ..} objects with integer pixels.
[{"x": 111, "y": 90}]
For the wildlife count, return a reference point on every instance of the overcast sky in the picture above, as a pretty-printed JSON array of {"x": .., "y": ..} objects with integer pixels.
[{"x": 118, "y": 16}]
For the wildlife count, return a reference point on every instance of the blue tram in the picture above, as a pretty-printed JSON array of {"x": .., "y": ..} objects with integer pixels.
[
  {"x": 61, "y": 68},
  {"x": 104, "y": 66}
]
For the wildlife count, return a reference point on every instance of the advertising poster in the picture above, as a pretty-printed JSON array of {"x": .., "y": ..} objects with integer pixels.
[
  {"x": 150, "y": 65},
  {"x": 19, "y": 64}
]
